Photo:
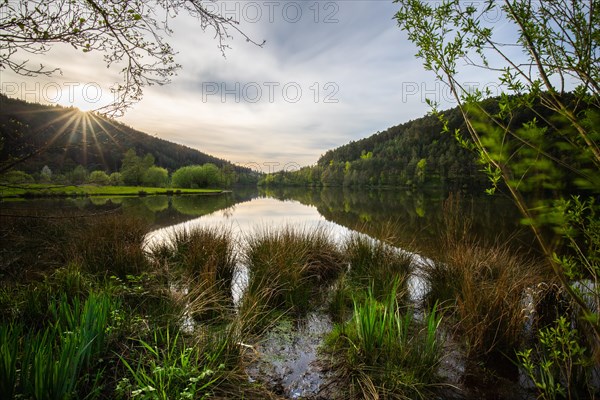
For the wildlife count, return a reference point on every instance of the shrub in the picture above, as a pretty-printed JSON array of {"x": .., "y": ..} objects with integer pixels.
[
  {"x": 17, "y": 177},
  {"x": 99, "y": 178}
]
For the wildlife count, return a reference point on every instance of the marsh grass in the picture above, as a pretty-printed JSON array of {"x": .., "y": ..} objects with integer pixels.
[
  {"x": 375, "y": 264},
  {"x": 109, "y": 245},
  {"x": 202, "y": 261},
  {"x": 482, "y": 287},
  {"x": 30, "y": 246},
  {"x": 52, "y": 363},
  {"x": 383, "y": 352},
  {"x": 291, "y": 266}
]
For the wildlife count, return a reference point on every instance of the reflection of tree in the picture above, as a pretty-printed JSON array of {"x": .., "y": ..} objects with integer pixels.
[
  {"x": 201, "y": 205},
  {"x": 156, "y": 203},
  {"x": 414, "y": 218}
]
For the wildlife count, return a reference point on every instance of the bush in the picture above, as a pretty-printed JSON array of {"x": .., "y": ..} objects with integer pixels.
[
  {"x": 196, "y": 176},
  {"x": 99, "y": 178},
  {"x": 17, "y": 177},
  {"x": 116, "y": 179},
  {"x": 156, "y": 177}
]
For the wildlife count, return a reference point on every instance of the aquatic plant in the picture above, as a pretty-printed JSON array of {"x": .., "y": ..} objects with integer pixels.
[
  {"x": 293, "y": 264},
  {"x": 384, "y": 352}
]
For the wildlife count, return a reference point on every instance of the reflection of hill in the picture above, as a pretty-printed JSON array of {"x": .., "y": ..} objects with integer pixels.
[{"x": 416, "y": 217}]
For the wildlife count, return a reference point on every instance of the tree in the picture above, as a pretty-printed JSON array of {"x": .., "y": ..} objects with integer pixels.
[
  {"x": 156, "y": 176},
  {"x": 197, "y": 176},
  {"x": 130, "y": 33},
  {"x": 559, "y": 53},
  {"x": 16, "y": 177},
  {"x": 79, "y": 175},
  {"x": 99, "y": 178},
  {"x": 46, "y": 174},
  {"x": 116, "y": 179},
  {"x": 133, "y": 167},
  {"x": 420, "y": 170}
]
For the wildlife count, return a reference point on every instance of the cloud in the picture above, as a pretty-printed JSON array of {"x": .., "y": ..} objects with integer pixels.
[{"x": 342, "y": 71}]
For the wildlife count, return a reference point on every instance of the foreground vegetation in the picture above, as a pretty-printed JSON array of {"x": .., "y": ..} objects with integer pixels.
[{"x": 89, "y": 310}]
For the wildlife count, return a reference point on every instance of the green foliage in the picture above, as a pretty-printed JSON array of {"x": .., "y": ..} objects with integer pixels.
[
  {"x": 168, "y": 368},
  {"x": 554, "y": 151},
  {"x": 559, "y": 367},
  {"x": 78, "y": 176},
  {"x": 99, "y": 178},
  {"x": 134, "y": 168},
  {"x": 51, "y": 363},
  {"x": 156, "y": 176},
  {"x": 413, "y": 153},
  {"x": 376, "y": 265},
  {"x": 26, "y": 127},
  {"x": 386, "y": 353},
  {"x": 17, "y": 177},
  {"x": 200, "y": 176},
  {"x": 46, "y": 174},
  {"x": 116, "y": 179}
]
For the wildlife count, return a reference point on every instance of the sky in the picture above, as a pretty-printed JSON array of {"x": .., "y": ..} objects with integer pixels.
[{"x": 329, "y": 72}]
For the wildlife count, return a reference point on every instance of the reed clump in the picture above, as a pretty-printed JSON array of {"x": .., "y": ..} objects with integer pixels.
[
  {"x": 482, "y": 286},
  {"x": 109, "y": 245},
  {"x": 200, "y": 260},
  {"x": 293, "y": 265},
  {"x": 375, "y": 264},
  {"x": 383, "y": 352}
]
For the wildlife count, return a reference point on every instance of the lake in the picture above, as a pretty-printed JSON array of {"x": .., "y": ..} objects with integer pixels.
[
  {"x": 410, "y": 219},
  {"x": 414, "y": 221}
]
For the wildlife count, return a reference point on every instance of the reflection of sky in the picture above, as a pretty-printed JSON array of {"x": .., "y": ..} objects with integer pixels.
[{"x": 255, "y": 215}]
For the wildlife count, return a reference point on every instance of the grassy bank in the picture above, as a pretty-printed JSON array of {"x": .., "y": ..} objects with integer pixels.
[{"x": 41, "y": 190}]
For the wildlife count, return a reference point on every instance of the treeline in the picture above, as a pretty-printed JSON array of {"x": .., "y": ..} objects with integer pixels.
[
  {"x": 415, "y": 153},
  {"x": 138, "y": 171},
  {"x": 70, "y": 138}
]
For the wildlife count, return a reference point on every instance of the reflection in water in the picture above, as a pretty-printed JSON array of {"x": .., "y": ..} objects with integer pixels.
[
  {"x": 413, "y": 220},
  {"x": 417, "y": 221}
]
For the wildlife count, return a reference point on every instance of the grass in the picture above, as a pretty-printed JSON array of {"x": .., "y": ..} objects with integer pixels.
[
  {"x": 89, "y": 310},
  {"x": 48, "y": 190},
  {"x": 202, "y": 260},
  {"x": 482, "y": 288},
  {"x": 169, "y": 368},
  {"x": 51, "y": 363},
  {"x": 376, "y": 265},
  {"x": 292, "y": 265},
  {"x": 383, "y": 352},
  {"x": 47, "y": 325},
  {"x": 109, "y": 245}
]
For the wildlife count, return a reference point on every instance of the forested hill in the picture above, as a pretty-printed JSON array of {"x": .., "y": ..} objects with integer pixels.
[
  {"x": 413, "y": 153},
  {"x": 69, "y": 138}
]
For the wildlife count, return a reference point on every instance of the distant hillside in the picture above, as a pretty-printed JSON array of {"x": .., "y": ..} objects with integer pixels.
[
  {"x": 68, "y": 137},
  {"x": 413, "y": 153}
]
